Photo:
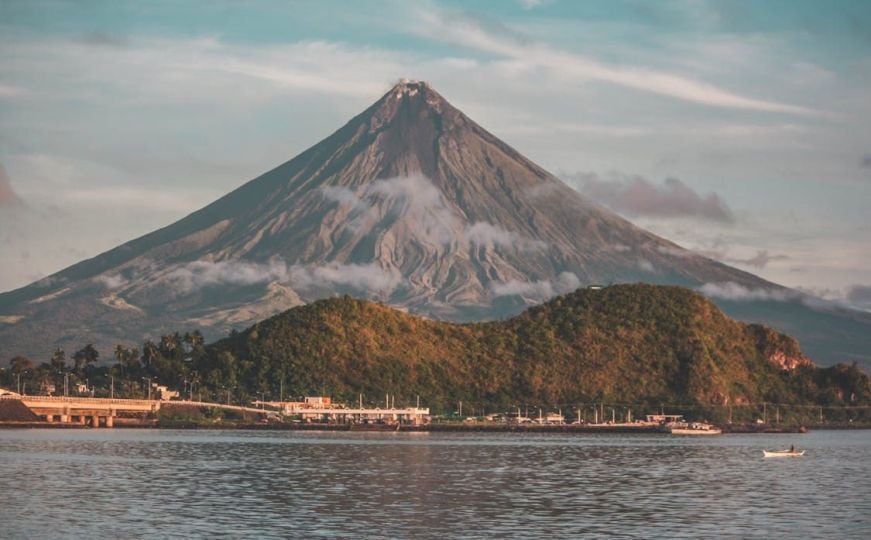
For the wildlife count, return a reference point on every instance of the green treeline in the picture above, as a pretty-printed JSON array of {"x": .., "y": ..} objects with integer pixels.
[{"x": 641, "y": 344}]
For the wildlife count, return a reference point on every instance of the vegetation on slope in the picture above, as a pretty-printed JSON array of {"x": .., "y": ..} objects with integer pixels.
[
  {"x": 637, "y": 343},
  {"x": 640, "y": 344}
]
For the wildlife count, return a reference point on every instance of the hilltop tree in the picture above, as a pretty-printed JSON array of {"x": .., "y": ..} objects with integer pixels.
[
  {"x": 84, "y": 358},
  {"x": 20, "y": 364}
]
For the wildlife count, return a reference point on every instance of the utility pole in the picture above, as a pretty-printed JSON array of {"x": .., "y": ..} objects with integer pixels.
[
  {"x": 111, "y": 387},
  {"x": 764, "y": 413},
  {"x": 461, "y": 407},
  {"x": 281, "y": 390}
]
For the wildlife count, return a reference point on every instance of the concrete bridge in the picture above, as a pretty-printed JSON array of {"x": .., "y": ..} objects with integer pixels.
[
  {"x": 102, "y": 411},
  {"x": 96, "y": 411}
]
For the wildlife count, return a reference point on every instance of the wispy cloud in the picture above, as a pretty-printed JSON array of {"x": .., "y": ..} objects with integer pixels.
[
  {"x": 536, "y": 290},
  {"x": 198, "y": 274},
  {"x": 737, "y": 292},
  {"x": 112, "y": 281},
  {"x": 760, "y": 260},
  {"x": 369, "y": 279},
  {"x": 645, "y": 265},
  {"x": 483, "y": 233},
  {"x": 415, "y": 200},
  {"x": 637, "y": 196},
  {"x": 462, "y": 29}
]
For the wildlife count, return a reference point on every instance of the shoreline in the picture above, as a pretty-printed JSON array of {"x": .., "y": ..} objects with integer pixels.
[{"x": 434, "y": 428}]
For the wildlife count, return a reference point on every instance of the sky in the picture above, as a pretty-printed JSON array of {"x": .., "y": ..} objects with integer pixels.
[{"x": 739, "y": 129}]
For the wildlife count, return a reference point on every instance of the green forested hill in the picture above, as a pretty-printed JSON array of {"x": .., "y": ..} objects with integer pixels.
[{"x": 639, "y": 344}]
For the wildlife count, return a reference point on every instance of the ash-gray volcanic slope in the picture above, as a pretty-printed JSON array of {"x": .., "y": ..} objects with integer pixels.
[{"x": 411, "y": 203}]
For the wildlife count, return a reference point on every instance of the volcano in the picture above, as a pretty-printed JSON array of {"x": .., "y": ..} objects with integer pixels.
[{"x": 410, "y": 203}]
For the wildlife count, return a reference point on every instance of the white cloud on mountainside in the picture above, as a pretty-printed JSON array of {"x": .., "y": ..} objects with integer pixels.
[
  {"x": 417, "y": 200},
  {"x": 190, "y": 277},
  {"x": 537, "y": 290}
]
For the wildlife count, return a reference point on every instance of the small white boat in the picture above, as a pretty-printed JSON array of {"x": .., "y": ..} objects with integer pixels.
[{"x": 782, "y": 453}]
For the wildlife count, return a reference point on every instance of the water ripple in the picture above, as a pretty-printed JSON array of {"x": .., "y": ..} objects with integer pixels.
[{"x": 182, "y": 484}]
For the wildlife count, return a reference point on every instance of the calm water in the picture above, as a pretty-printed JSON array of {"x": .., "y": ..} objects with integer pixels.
[{"x": 142, "y": 483}]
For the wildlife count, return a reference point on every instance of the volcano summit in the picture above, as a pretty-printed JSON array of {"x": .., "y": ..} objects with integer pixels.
[{"x": 410, "y": 203}]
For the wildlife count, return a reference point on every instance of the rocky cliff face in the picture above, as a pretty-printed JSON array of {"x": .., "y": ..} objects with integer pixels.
[
  {"x": 780, "y": 350},
  {"x": 411, "y": 203}
]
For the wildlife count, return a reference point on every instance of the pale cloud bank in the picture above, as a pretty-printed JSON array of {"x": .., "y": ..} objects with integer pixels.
[{"x": 537, "y": 290}]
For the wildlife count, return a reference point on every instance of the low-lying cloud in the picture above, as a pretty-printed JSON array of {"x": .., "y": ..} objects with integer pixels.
[
  {"x": 638, "y": 197},
  {"x": 187, "y": 278},
  {"x": 198, "y": 274},
  {"x": 537, "y": 290},
  {"x": 483, "y": 233},
  {"x": 369, "y": 278},
  {"x": 645, "y": 265},
  {"x": 112, "y": 281},
  {"x": 730, "y": 290},
  {"x": 416, "y": 199},
  {"x": 413, "y": 198}
]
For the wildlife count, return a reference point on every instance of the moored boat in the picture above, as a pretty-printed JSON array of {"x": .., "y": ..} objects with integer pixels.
[{"x": 693, "y": 428}]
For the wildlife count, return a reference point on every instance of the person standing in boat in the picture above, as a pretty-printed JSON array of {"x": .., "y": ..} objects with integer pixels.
[{"x": 792, "y": 449}]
